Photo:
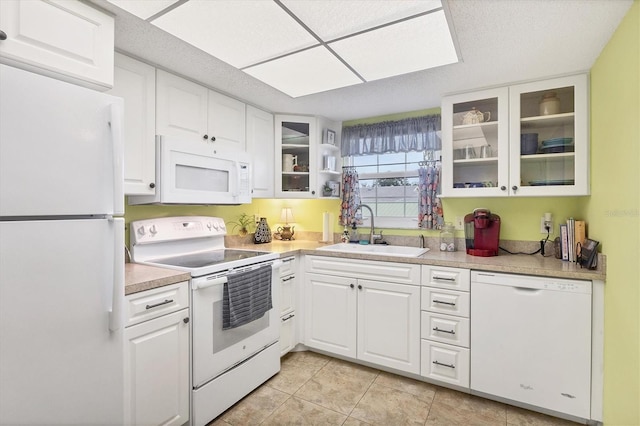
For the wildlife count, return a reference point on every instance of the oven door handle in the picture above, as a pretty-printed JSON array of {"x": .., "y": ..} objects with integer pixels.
[{"x": 197, "y": 285}]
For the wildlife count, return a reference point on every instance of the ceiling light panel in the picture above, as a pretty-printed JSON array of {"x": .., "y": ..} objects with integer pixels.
[
  {"x": 412, "y": 45},
  {"x": 239, "y": 32},
  {"x": 333, "y": 19},
  {"x": 143, "y": 8},
  {"x": 303, "y": 73}
]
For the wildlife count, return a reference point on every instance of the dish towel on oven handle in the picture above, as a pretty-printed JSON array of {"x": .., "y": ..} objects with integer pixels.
[{"x": 246, "y": 297}]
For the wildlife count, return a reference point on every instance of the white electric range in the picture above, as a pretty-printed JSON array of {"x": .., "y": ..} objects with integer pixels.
[{"x": 227, "y": 364}]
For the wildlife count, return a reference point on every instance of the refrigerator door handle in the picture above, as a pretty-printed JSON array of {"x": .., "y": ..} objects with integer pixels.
[
  {"x": 115, "y": 122},
  {"x": 117, "y": 296}
]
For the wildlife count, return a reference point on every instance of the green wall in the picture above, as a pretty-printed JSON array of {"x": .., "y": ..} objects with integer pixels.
[{"x": 613, "y": 212}]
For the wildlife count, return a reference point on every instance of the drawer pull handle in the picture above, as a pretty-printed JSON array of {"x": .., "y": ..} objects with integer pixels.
[
  {"x": 288, "y": 318},
  {"x": 443, "y": 303},
  {"x": 444, "y": 365},
  {"x": 159, "y": 304},
  {"x": 443, "y": 278},
  {"x": 287, "y": 260},
  {"x": 288, "y": 278},
  {"x": 444, "y": 331}
]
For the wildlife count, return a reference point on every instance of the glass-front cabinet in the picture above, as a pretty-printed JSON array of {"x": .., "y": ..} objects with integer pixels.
[
  {"x": 295, "y": 156},
  {"x": 523, "y": 140},
  {"x": 549, "y": 135},
  {"x": 475, "y": 132}
]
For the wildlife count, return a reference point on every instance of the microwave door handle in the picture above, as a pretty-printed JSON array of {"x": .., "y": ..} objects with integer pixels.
[{"x": 236, "y": 180}]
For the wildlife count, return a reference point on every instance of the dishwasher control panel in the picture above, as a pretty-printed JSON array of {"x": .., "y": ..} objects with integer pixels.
[{"x": 531, "y": 282}]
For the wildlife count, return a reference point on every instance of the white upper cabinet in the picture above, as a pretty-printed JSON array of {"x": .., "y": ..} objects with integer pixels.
[
  {"x": 188, "y": 110},
  {"x": 260, "y": 144},
  {"x": 555, "y": 113},
  {"x": 227, "y": 122},
  {"x": 181, "y": 108},
  {"x": 135, "y": 82},
  {"x": 475, "y": 144},
  {"x": 295, "y": 165},
  {"x": 529, "y": 139},
  {"x": 67, "y": 40}
]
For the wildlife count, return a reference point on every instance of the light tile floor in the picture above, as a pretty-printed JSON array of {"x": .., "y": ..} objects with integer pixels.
[{"x": 313, "y": 389}]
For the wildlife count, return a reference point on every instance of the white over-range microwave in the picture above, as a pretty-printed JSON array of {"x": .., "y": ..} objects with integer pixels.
[{"x": 190, "y": 172}]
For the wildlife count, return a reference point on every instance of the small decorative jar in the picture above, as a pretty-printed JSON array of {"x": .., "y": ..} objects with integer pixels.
[
  {"x": 263, "y": 232},
  {"x": 550, "y": 104},
  {"x": 447, "y": 237}
]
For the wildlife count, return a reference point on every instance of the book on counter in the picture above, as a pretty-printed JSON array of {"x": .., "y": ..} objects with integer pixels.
[
  {"x": 572, "y": 237},
  {"x": 564, "y": 242}
]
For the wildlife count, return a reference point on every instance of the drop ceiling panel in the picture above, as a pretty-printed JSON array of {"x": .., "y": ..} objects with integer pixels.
[
  {"x": 333, "y": 19},
  {"x": 310, "y": 71},
  {"x": 240, "y": 33},
  {"x": 143, "y": 8},
  {"x": 413, "y": 45}
]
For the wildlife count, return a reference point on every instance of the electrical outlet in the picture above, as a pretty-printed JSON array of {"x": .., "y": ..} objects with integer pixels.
[
  {"x": 543, "y": 223},
  {"x": 459, "y": 225}
]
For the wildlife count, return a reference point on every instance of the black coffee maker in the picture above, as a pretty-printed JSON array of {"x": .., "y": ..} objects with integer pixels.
[{"x": 482, "y": 233}]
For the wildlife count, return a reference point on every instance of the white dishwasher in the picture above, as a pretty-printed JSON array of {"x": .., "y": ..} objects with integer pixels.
[{"x": 531, "y": 340}]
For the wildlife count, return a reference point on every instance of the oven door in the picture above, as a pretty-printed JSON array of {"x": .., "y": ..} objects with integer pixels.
[{"x": 216, "y": 350}]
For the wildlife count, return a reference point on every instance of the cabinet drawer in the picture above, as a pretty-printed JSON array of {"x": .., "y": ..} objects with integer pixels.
[
  {"x": 445, "y": 301},
  {"x": 445, "y": 363},
  {"x": 287, "y": 294},
  {"x": 287, "y": 333},
  {"x": 445, "y": 328},
  {"x": 160, "y": 301},
  {"x": 288, "y": 266},
  {"x": 443, "y": 277},
  {"x": 392, "y": 272}
]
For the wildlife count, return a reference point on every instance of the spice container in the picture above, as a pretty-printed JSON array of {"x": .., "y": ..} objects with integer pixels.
[{"x": 447, "y": 237}]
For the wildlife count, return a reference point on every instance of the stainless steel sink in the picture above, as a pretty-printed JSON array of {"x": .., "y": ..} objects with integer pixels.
[{"x": 382, "y": 250}]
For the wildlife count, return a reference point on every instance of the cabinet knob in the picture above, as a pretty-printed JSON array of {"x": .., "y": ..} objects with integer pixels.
[
  {"x": 359, "y": 287},
  {"x": 213, "y": 138},
  {"x": 152, "y": 185},
  {"x": 313, "y": 192},
  {"x": 205, "y": 137},
  {"x": 503, "y": 188},
  {"x": 186, "y": 320},
  {"x": 3, "y": 35},
  {"x": 514, "y": 187},
  {"x": 351, "y": 285}
]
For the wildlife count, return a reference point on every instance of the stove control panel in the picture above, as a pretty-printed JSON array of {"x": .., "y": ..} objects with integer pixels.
[{"x": 176, "y": 228}]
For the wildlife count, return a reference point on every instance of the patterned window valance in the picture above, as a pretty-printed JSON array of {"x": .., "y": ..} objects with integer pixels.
[{"x": 409, "y": 134}]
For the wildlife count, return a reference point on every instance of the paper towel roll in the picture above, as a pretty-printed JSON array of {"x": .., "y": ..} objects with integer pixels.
[{"x": 326, "y": 226}]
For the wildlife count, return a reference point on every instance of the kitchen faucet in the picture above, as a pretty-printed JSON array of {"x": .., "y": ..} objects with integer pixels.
[{"x": 371, "y": 236}]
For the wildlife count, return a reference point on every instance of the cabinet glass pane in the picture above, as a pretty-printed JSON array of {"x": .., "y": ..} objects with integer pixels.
[
  {"x": 475, "y": 144},
  {"x": 295, "y": 156},
  {"x": 547, "y": 130}
]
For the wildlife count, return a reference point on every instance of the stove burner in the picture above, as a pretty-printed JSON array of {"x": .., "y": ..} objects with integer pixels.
[{"x": 200, "y": 260}]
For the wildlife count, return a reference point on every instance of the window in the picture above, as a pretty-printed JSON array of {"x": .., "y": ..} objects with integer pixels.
[{"x": 389, "y": 185}]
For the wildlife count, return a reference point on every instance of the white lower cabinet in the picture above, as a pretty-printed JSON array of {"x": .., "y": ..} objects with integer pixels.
[
  {"x": 157, "y": 357},
  {"x": 348, "y": 313},
  {"x": 288, "y": 294},
  {"x": 446, "y": 363},
  {"x": 445, "y": 325}
]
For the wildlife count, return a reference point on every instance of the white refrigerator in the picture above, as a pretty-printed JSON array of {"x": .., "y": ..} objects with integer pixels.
[{"x": 61, "y": 253}]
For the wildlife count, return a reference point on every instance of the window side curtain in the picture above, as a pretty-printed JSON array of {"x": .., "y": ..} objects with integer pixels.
[
  {"x": 410, "y": 134},
  {"x": 430, "y": 214},
  {"x": 350, "y": 197}
]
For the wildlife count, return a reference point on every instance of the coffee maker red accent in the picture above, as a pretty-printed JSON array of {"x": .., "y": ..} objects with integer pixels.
[{"x": 482, "y": 233}]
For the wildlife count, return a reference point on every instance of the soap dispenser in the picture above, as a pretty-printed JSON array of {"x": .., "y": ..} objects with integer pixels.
[{"x": 354, "y": 238}]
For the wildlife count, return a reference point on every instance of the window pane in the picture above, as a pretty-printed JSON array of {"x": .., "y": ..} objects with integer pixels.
[{"x": 365, "y": 160}]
